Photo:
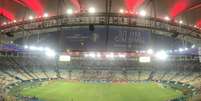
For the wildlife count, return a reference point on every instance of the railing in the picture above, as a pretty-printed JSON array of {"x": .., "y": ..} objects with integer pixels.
[
  {"x": 80, "y": 55},
  {"x": 184, "y": 32}
]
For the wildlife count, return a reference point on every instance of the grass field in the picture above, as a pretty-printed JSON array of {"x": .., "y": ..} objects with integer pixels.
[{"x": 65, "y": 91}]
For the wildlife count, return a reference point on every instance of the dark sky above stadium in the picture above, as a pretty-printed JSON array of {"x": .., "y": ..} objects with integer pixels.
[{"x": 187, "y": 10}]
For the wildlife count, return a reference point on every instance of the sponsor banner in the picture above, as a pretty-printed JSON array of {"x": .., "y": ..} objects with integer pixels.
[{"x": 11, "y": 47}]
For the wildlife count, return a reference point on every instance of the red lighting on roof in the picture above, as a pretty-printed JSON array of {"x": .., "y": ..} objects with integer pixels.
[
  {"x": 34, "y": 5},
  {"x": 76, "y": 4},
  {"x": 178, "y": 7},
  {"x": 198, "y": 23},
  {"x": 133, "y": 5},
  {"x": 20, "y": 2},
  {"x": 7, "y": 14}
]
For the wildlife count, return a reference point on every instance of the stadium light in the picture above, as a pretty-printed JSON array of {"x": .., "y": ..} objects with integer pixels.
[
  {"x": 86, "y": 55},
  {"x": 69, "y": 11},
  {"x": 193, "y": 46},
  {"x": 121, "y": 11},
  {"x": 167, "y": 18},
  {"x": 161, "y": 55},
  {"x": 150, "y": 51},
  {"x": 98, "y": 55},
  {"x": 40, "y": 48},
  {"x": 143, "y": 13},
  {"x": 26, "y": 46},
  {"x": 121, "y": 55},
  {"x": 50, "y": 53},
  {"x": 30, "y": 17},
  {"x": 45, "y": 15},
  {"x": 180, "y": 22},
  {"x": 47, "y": 49},
  {"x": 181, "y": 49},
  {"x": 142, "y": 51},
  {"x": 91, "y": 10},
  {"x": 33, "y": 48},
  {"x": 92, "y": 54},
  {"x": 110, "y": 55},
  {"x": 4, "y": 23}
]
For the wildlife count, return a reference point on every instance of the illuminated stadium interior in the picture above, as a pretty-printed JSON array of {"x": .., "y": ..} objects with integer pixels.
[{"x": 104, "y": 50}]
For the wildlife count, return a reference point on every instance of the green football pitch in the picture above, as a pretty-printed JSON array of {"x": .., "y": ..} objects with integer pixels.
[{"x": 70, "y": 91}]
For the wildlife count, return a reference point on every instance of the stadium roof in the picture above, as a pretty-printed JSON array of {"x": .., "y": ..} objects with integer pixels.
[{"x": 186, "y": 10}]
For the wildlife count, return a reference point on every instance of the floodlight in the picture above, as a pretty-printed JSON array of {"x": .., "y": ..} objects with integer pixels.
[
  {"x": 91, "y": 10},
  {"x": 161, "y": 55},
  {"x": 181, "y": 22},
  {"x": 25, "y": 46},
  {"x": 150, "y": 51},
  {"x": 40, "y": 48},
  {"x": 45, "y": 15},
  {"x": 144, "y": 59},
  {"x": 143, "y": 13},
  {"x": 4, "y": 23},
  {"x": 193, "y": 46},
  {"x": 33, "y": 48},
  {"x": 86, "y": 55},
  {"x": 181, "y": 49},
  {"x": 98, "y": 55},
  {"x": 121, "y": 55},
  {"x": 167, "y": 18},
  {"x": 143, "y": 51},
  {"x": 47, "y": 49},
  {"x": 14, "y": 21},
  {"x": 50, "y": 53},
  {"x": 92, "y": 54},
  {"x": 121, "y": 11},
  {"x": 110, "y": 55},
  {"x": 186, "y": 49},
  {"x": 69, "y": 11},
  {"x": 30, "y": 17}
]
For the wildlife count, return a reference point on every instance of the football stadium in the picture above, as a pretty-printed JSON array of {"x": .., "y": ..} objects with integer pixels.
[{"x": 100, "y": 50}]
